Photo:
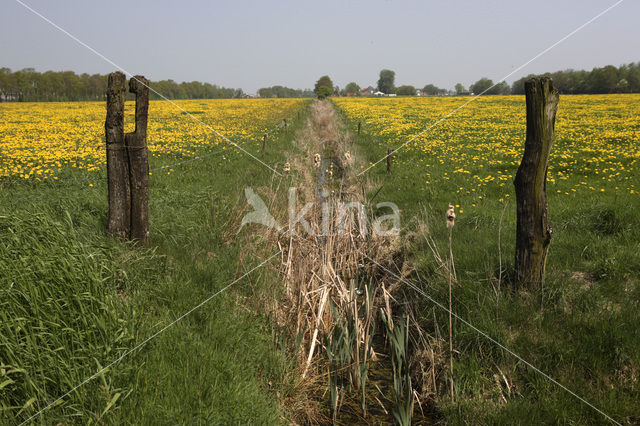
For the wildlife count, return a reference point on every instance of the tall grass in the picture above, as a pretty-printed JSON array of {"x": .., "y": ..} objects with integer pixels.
[{"x": 63, "y": 314}]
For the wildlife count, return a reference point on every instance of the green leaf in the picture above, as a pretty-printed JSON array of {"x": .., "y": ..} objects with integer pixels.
[
  {"x": 27, "y": 404},
  {"x": 6, "y": 383},
  {"x": 111, "y": 403}
]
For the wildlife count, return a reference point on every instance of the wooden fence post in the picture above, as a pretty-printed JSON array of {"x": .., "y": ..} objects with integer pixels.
[
  {"x": 118, "y": 223},
  {"x": 264, "y": 143},
  {"x": 359, "y": 126},
  {"x": 285, "y": 126},
  {"x": 389, "y": 152},
  {"x": 533, "y": 232},
  {"x": 139, "y": 161}
]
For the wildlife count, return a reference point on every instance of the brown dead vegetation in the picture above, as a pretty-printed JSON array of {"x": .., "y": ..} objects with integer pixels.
[{"x": 332, "y": 296}]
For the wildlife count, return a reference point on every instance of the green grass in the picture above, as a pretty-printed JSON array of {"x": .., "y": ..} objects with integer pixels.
[
  {"x": 588, "y": 334},
  {"x": 73, "y": 299}
]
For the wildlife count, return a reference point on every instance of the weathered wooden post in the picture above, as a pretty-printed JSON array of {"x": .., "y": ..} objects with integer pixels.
[
  {"x": 359, "y": 126},
  {"x": 136, "y": 143},
  {"x": 285, "y": 126},
  {"x": 389, "y": 152},
  {"x": 533, "y": 232},
  {"x": 264, "y": 143},
  {"x": 118, "y": 223}
]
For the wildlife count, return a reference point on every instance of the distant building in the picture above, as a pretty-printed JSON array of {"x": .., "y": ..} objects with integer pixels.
[
  {"x": 379, "y": 93},
  {"x": 369, "y": 91}
]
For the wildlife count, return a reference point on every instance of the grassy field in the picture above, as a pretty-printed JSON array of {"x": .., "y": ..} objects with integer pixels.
[
  {"x": 72, "y": 299},
  {"x": 584, "y": 332}
]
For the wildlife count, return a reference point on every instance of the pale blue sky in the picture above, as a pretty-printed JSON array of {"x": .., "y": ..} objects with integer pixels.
[{"x": 251, "y": 44}]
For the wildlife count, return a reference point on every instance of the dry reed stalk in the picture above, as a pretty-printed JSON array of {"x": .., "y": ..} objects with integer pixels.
[
  {"x": 325, "y": 295},
  {"x": 451, "y": 216}
]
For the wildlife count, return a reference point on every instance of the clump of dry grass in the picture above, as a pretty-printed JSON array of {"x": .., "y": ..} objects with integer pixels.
[{"x": 333, "y": 298}]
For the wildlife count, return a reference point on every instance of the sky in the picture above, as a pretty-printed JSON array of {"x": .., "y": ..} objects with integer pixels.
[{"x": 253, "y": 44}]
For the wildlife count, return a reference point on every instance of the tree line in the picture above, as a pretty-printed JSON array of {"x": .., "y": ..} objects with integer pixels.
[
  {"x": 284, "y": 92},
  {"x": 31, "y": 86},
  {"x": 608, "y": 79}
]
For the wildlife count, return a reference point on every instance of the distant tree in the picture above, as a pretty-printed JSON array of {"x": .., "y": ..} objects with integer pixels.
[
  {"x": 481, "y": 85},
  {"x": 631, "y": 73},
  {"x": 406, "y": 90},
  {"x": 387, "y": 81},
  {"x": 517, "y": 88},
  {"x": 501, "y": 88},
  {"x": 323, "y": 87},
  {"x": 323, "y": 92},
  {"x": 265, "y": 92},
  {"x": 283, "y": 92},
  {"x": 622, "y": 86},
  {"x": 432, "y": 90},
  {"x": 352, "y": 89},
  {"x": 336, "y": 90},
  {"x": 603, "y": 80},
  {"x": 460, "y": 88}
]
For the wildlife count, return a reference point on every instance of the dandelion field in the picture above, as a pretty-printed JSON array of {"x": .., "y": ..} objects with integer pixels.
[
  {"x": 597, "y": 146},
  {"x": 39, "y": 140}
]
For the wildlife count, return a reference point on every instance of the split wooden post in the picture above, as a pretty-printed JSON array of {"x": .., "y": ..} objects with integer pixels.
[
  {"x": 264, "y": 143},
  {"x": 136, "y": 143},
  {"x": 359, "y": 126},
  {"x": 119, "y": 220},
  {"x": 389, "y": 152},
  {"x": 533, "y": 232}
]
